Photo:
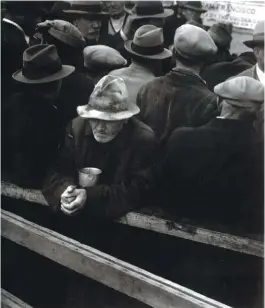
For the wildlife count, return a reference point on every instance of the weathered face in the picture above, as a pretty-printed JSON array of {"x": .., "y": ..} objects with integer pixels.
[
  {"x": 131, "y": 25},
  {"x": 90, "y": 28},
  {"x": 259, "y": 54},
  {"x": 191, "y": 14},
  {"x": 105, "y": 131},
  {"x": 114, "y": 8}
]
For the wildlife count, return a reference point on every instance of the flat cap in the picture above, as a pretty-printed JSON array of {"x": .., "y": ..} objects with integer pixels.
[
  {"x": 63, "y": 31},
  {"x": 193, "y": 43},
  {"x": 241, "y": 89},
  {"x": 102, "y": 56}
]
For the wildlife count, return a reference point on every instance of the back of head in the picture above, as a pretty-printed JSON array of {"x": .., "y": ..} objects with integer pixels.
[{"x": 221, "y": 34}]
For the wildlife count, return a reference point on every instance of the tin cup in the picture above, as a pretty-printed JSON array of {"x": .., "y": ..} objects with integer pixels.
[{"x": 88, "y": 176}]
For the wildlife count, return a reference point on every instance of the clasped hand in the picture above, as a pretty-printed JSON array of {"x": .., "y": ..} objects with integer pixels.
[{"x": 73, "y": 200}]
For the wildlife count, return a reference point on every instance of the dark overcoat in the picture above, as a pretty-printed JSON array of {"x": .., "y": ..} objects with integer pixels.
[
  {"x": 30, "y": 138},
  {"x": 181, "y": 98},
  {"x": 119, "y": 188},
  {"x": 215, "y": 172}
]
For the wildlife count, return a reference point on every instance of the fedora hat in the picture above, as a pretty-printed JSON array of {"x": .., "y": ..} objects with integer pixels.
[
  {"x": 41, "y": 64},
  {"x": 63, "y": 31},
  {"x": 192, "y": 5},
  {"x": 221, "y": 34},
  {"x": 85, "y": 8},
  {"x": 148, "y": 42},
  {"x": 109, "y": 101},
  {"x": 148, "y": 9},
  {"x": 258, "y": 36}
]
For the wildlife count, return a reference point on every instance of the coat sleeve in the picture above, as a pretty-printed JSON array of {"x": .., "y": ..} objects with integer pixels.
[
  {"x": 113, "y": 201},
  {"x": 62, "y": 173}
]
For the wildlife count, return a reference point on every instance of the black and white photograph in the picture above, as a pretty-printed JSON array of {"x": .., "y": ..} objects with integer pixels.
[{"x": 132, "y": 154}]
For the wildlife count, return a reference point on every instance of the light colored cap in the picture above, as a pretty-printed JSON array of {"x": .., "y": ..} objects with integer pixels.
[
  {"x": 193, "y": 43},
  {"x": 102, "y": 56},
  {"x": 109, "y": 101},
  {"x": 241, "y": 91}
]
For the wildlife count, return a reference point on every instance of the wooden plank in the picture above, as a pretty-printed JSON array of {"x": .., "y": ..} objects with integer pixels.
[
  {"x": 194, "y": 233},
  {"x": 9, "y": 300},
  {"x": 152, "y": 223},
  {"x": 114, "y": 273}
]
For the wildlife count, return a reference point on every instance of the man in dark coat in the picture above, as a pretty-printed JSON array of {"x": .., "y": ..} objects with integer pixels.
[
  {"x": 181, "y": 98},
  {"x": 215, "y": 172},
  {"x": 77, "y": 87},
  {"x": 31, "y": 124},
  {"x": 104, "y": 136}
]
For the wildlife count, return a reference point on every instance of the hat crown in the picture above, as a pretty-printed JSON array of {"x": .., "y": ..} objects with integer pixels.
[
  {"x": 192, "y": 41},
  {"x": 40, "y": 60},
  {"x": 242, "y": 88},
  {"x": 148, "y": 35},
  {"x": 259, "y": 29},
  {"x": 148, "y": 8},
  {"x": 110, "y": 95}
]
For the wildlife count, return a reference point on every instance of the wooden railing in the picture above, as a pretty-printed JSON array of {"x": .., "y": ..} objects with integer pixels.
[
  {"x": 189, "y": 232},
  {"x": 112, "y": 272},
  {"x": 8, "y": 300}
]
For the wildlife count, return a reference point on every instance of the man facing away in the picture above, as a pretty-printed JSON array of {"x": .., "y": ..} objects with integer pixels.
[
  {"x": 147, "y": 52},
  {"x": 107, "y": 137},
  {"x": 181, "y": 98},
  {"x": 215, "y": 172}
]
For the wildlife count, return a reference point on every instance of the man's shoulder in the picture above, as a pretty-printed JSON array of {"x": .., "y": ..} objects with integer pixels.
[
  {"x": 250, "y": 72},
  {"x": 120, "y": 71},
  {"x": 142, "y": 132}
]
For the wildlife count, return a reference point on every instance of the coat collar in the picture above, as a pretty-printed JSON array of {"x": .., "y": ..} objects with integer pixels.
[{"x": 187, "y": 73}]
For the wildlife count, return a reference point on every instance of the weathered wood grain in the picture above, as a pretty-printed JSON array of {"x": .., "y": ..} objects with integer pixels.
[
  {"x": 8, "y": 300},
  {"x": 152, "y": 223},
  {"x": 116, "y": 274}
]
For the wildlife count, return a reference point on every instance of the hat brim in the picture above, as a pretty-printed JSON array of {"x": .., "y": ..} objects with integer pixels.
[
  {"x": 83, "y": 13},
  {"x": 160, "y": 56},
  {"x": 65, "y": 71},
  {"x": 89, "y": 113},
  {"x": 165, "y": 14},
  {"x": 253, "y": 43}
]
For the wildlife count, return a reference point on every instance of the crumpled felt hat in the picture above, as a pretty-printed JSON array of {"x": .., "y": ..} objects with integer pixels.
[
  {"x": 258, "y": 36},
  {"x": 109, "y": 101},
  {"x": 41, "y": 64},
  {"x": 101, "y": 56},
  {"x": 85, "y": 8},
  {"x": 241, "y": 91},
  {"x": 63, "y": 31},
  {"x": 148, "y": 42},
  {"x": 193, "y": 43}
]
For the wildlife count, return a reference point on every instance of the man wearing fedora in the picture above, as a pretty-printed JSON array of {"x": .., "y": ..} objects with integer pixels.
[
  {"x": 69, "y": 43},
  {"x": 257, "y": 44},
  {"x": 87, "y": 16},
  {"x": 216, "y": 170},
  {"x": 31, "y": 124},
  {"x": 192, "y": 11},
  {"x": 181, "y": 98},
  {"x": 147, "y": 52},
  {"x": 106, "y": 136}
]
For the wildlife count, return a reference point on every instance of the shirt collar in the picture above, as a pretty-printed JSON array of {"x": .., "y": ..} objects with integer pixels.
[{"x": 261, "y": 74}]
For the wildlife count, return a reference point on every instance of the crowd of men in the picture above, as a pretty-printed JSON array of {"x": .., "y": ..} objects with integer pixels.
[{"x": 145, "y": 93}]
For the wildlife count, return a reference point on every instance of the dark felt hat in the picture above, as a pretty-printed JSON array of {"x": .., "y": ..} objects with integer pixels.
[
  {"x": 41, "y": 64},
  {"x": 258, "y": 36},
  {"x": 192, "y": 5},
  {"x": 221, "y": 34},
  {"x": 85, "y": 8},
  {"x": 149, "y": 9}
]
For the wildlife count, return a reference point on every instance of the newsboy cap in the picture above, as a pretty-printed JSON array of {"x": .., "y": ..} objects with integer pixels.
[
  {"x": 63, "y": 31},
  {"x": 193, "y": 43},
  {"x": 101, "y": 56},
  {"x": 241, "y": 91}
]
